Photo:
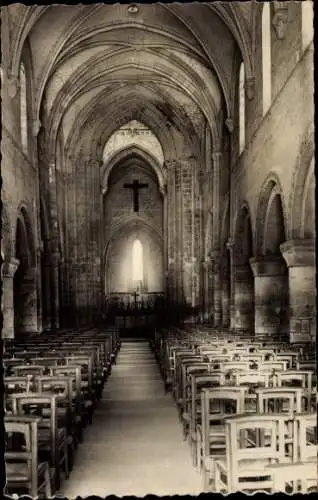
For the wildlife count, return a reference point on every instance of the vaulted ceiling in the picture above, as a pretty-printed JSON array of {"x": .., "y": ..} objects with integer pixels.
[{"x": 170, "y": 66}]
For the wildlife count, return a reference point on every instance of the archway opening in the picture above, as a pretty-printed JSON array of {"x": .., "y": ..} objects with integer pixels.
[
  {"x": 243, "y": 309},
  {"x": 23, "y": 282},
  {"x": 277, "y": 301},
  {"x": 45, "y": 274}
]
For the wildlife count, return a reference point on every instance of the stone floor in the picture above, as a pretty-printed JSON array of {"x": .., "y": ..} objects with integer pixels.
[{"x": 135, "y": 444}]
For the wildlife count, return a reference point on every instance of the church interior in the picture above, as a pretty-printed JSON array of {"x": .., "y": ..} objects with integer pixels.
[{"x": 158, "y": 248}]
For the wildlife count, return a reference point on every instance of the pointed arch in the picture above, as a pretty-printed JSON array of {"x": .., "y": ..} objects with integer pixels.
[{"x": 271, "y": 191}]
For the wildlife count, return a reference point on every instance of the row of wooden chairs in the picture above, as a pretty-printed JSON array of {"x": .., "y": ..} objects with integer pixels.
[
  {"x": 52, "y": 386},
  {"x": 218, "y": 378}
]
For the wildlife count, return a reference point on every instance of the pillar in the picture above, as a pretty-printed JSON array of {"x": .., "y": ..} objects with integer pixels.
[
  {"x": 271, "y": 295},
  {"x": 55, "y": 266},
  {"x": 29, "y": 316},
  {"x": 217, "y": 289},
  {"x": 208, "y": 289},
  {"x": 225, "y": 293},
  {"x": 243, "y": 298},
  {"x": 46, "y": 293},
  {"x": 171, "y": 230},
  {"x": 8, "y": 270},
  {"x": 300, "y": 259}
]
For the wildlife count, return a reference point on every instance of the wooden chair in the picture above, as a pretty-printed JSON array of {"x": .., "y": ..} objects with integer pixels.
[
  {"x": 74, "y": 372},
  {"x": 23, "y": 470},
  {"x": 217, "y": 404},
  {"x": 297, "y": 378},
  {"x": 24, "y": 370},
  {"x": 52, "y": 442},
  {"x": 294, "y": 478},
  {"x": 61, "y": 386},
  {"x": 244, "y": 466}
]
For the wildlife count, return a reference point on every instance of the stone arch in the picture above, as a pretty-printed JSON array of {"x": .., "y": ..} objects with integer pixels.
[
  {"x": 125, "y": 153},
  {"x": 308, "y": 208},
  {"x": 242, "y": 299},
  {"x": 144, "y": 230},
  {"x": 304, "y": 170},
  {"x": 269, "y": 190},
  {"x": 274, "y": 228}
]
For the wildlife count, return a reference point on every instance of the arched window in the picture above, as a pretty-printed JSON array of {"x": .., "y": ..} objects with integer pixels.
[
  {"x": 137, "y": 264},
  {"x": 266, "y": 58},
  {"x": 23, "y": 109},
  {"x": 307, "y": 23},
  {"x": 242, "y": 108}
]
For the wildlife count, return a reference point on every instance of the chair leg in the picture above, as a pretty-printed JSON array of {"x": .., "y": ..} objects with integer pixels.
[
  {"x": 66, "y": 462},
  {"x": 47, "y": 476}
]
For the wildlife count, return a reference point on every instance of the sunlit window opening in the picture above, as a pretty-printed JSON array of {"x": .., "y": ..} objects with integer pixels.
[
  {"x": 242, "y": 108},
  {"x": 307, "y": 22},
  {"x": 23, "y": 109},
  {"x": 137, "y": 263},
  {"x": 266, "y": 58}
]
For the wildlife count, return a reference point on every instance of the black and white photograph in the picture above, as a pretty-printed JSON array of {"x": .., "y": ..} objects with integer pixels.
[{"x": 158, "y": 259}]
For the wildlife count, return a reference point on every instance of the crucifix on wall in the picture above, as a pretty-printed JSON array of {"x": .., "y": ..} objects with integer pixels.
[{"x": 135, "y": 186}]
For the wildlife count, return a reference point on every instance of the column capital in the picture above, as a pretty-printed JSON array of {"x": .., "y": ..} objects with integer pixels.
[
  {"x": 267, "y": 265},
  {"x": 13, "y": 84},
  {"x": 299, "y": 253},
  {"x": 9, "y": 267},
  {"x": 229, "y": 124},
  {"x": 170, "y": 164},
  {"x": 229, "y": 244},
  {"x": 36, "y": 127},
  {"x": 206, "y": 262},
  {"x": 250, "y": 87},
  {"x": 216, "y": 155},
  {"x": 280, "y": 19},
  {"x": 55, "y": 258}
]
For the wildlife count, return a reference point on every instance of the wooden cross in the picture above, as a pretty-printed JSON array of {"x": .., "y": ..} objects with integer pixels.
[{"x": 135, "y": 186}]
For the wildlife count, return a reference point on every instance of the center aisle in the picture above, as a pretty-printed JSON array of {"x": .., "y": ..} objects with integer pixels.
[{"x": 135, "y": 444}]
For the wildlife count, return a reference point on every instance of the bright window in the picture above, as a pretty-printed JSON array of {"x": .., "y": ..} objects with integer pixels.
[
  {"x": 266, "y": 58},
  {"x": 137, "y": 267},
  {"x": 242, "y": 108},
  {"x": 23, "y": 109}
]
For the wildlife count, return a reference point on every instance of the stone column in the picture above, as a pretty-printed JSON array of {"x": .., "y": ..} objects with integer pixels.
[
  {"x": 29, "y": 317},
  {"x": 300, "y": 259},
  {"x": 8, "y": 270},
  {"x": 271, "y": 295},
  {"x": 217, "y": 291},
  {"x": 216, "y": 157},
  {"x": 55, "y": 266},
  {"x": 170, "y": 167},
  {"x": 243, "y": 307},
  {"x": 230, "y": 247},
  {"x": 225, "y": 293},
  {"x": 46, "y": 293},
  {"x": 207, "y": 288}
]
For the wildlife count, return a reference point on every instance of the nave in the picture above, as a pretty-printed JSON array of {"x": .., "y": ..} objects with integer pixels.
[{"x": 135, "y": 444}]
